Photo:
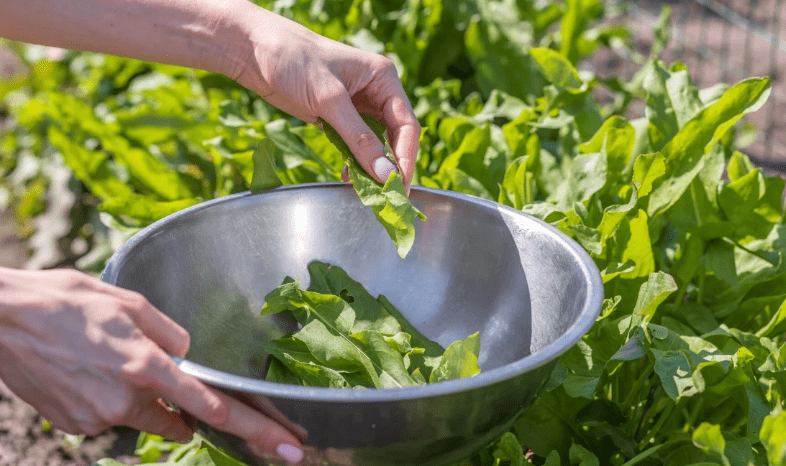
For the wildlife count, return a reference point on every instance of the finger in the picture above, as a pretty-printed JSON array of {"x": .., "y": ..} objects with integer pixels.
[
  {"x": 361, "y": 140},
  {"x": 260, "y": 431},
  {"x": 158, "y": 419},
  {"x": 156, "y": 325},
  {"x": 404, "y": 131},
  {"x": 345, "y": 174},
  {"x": 229, "y": 415}
]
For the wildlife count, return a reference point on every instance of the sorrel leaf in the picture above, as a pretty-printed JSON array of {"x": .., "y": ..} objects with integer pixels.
[
  {"x": 349, "y": 339},
  {"x": 390, "y": 202}
]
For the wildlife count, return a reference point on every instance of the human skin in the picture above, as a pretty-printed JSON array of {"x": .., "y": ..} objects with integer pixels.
[
  {"x": 89, "y": 355},
  {"x": 298, "y": 71}
]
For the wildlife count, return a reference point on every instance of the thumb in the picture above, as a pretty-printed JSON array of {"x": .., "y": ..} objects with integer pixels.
[{"x": 361, "y": 140}]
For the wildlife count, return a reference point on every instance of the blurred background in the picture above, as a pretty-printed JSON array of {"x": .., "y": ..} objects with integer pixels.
[
  {"x": 720, "y": 42},
  {"x": 48, "y": 218}
]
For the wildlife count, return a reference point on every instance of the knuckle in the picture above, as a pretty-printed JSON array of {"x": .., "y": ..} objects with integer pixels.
[
  {"x": 70, "y": 279},
  {"x": 219, "y": 413},
  {"x": 364, "y": 139},
  {"x": 116, "y": 413},
  {"x": 385, "y": 66},
  {"x": 332, "y": 96},
  {"x": 91, "y": 429},
  {"x": 140, "y": 371},
  {"x": 135, "y": 300}
]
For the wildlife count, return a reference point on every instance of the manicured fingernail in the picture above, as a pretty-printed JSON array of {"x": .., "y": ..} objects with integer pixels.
[
  {"x": 383, "y": 167},
  {"x": 290, "y": 453}
]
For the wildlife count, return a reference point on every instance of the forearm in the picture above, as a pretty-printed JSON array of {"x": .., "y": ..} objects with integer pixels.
[{"x": 204, "y": 34}]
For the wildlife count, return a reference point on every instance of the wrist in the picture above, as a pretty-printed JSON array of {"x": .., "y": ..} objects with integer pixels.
[{"x": 255, "y": 48}]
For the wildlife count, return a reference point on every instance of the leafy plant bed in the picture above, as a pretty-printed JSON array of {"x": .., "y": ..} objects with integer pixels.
[{"x": 686, "y": 363}]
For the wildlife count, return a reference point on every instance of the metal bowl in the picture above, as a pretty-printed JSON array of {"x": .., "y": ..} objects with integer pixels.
[{"x": 476, "y": 266}]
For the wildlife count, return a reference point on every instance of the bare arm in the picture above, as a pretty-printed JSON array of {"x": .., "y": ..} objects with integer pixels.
[
  {"x": 296, "y": 70},
  {"x": 195, "y": 33}
]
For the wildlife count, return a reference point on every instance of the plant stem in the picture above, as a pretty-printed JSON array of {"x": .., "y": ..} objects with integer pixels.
[
  {"x": 665, "y": 415},
  {"x": 693, "y": 415},
  {"x": 634, "y": 391},
  {"x": 643, "y": 455}
]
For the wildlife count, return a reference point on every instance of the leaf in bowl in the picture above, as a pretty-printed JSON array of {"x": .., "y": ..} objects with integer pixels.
[{"x": 350, "y": 339}]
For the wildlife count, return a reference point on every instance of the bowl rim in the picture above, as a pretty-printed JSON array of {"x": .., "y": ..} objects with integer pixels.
[{"x": 586, "y": 317}]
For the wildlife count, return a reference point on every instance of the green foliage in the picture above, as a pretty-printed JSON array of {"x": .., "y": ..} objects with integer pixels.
[
  {"x": 388, "y": 201},
  {"x": 348, "y": 338},
  {"x": 686, "y": 363}
]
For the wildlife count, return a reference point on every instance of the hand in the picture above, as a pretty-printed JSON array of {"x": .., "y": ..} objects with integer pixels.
[
  {"x": 298, "y": 71},
  {"x": 88, "y": 355},
  {"x": 310, "y": 76}
]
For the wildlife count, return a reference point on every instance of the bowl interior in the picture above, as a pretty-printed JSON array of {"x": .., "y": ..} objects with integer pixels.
[{"x": 475, "y": 266}]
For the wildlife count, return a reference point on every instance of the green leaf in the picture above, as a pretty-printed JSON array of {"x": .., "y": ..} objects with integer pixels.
[
  {"x": 647, "y": 169},
  {"x": 143, "y": 208},
  {"x": 298, "y": 365},
  {"x": 509, "y": 450},
  {"x": 350, "y": 339},
  {"x": 709, "y": 439},
  {"x": 739, "y": 197},
  {"x": 265, "y": 176},
  {"x": 218, "y": 457},
  {"x": 773, "y": 436},
  {"x": 633, "y": 241},
  {"x": 499, "y": 62},
  {"x": 588, "y": 174},
  {"x": 389, "y": 202},
  {"x": 459, "y": 360},
  {"x": 672, "y": 100},
  {"x": 684, "y": 153},
  {"x": 616, "y": 137},
  {"x": 150, "y": 173},
  {"x": 553, "y": 459},
  {"x": 89, "y": 166},
  {"x": 653, "y": 292},
  {"x": 776, "y": 325},
  {"x": 461, "y": 182},
  {"x": 582, "y": 457},
  {"x": 556, "y": 68}
]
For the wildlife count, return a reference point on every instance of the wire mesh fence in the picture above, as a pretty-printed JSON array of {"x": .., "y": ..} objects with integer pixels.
[{"x": 726, "y": 41}]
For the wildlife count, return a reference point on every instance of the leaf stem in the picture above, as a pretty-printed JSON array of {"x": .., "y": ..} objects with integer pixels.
[
  {"x": 665, "y": 415},
  {"x": 693, "y": 415},
  {"x": 755, "y": 253},
  {"x": 626, "y": 404},
  {"x": 700, "y": 294},
  {"x": 643, "y": 455},
  {"x": 571, "y": 424}
]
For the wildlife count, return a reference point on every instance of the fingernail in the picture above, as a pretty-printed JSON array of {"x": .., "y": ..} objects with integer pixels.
[
  {"x": 290, "y": 453},
  {"x": 383, "y": 167}
]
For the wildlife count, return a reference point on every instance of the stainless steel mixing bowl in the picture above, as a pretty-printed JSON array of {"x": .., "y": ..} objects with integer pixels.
[{"x": 475, "y": 266}]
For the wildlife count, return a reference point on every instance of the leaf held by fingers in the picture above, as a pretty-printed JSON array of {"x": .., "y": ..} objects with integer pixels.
[{"x": 390, "y": 203}]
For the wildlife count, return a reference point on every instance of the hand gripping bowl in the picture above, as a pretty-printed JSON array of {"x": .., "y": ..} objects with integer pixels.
[{"x": 476, "y": 266}]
